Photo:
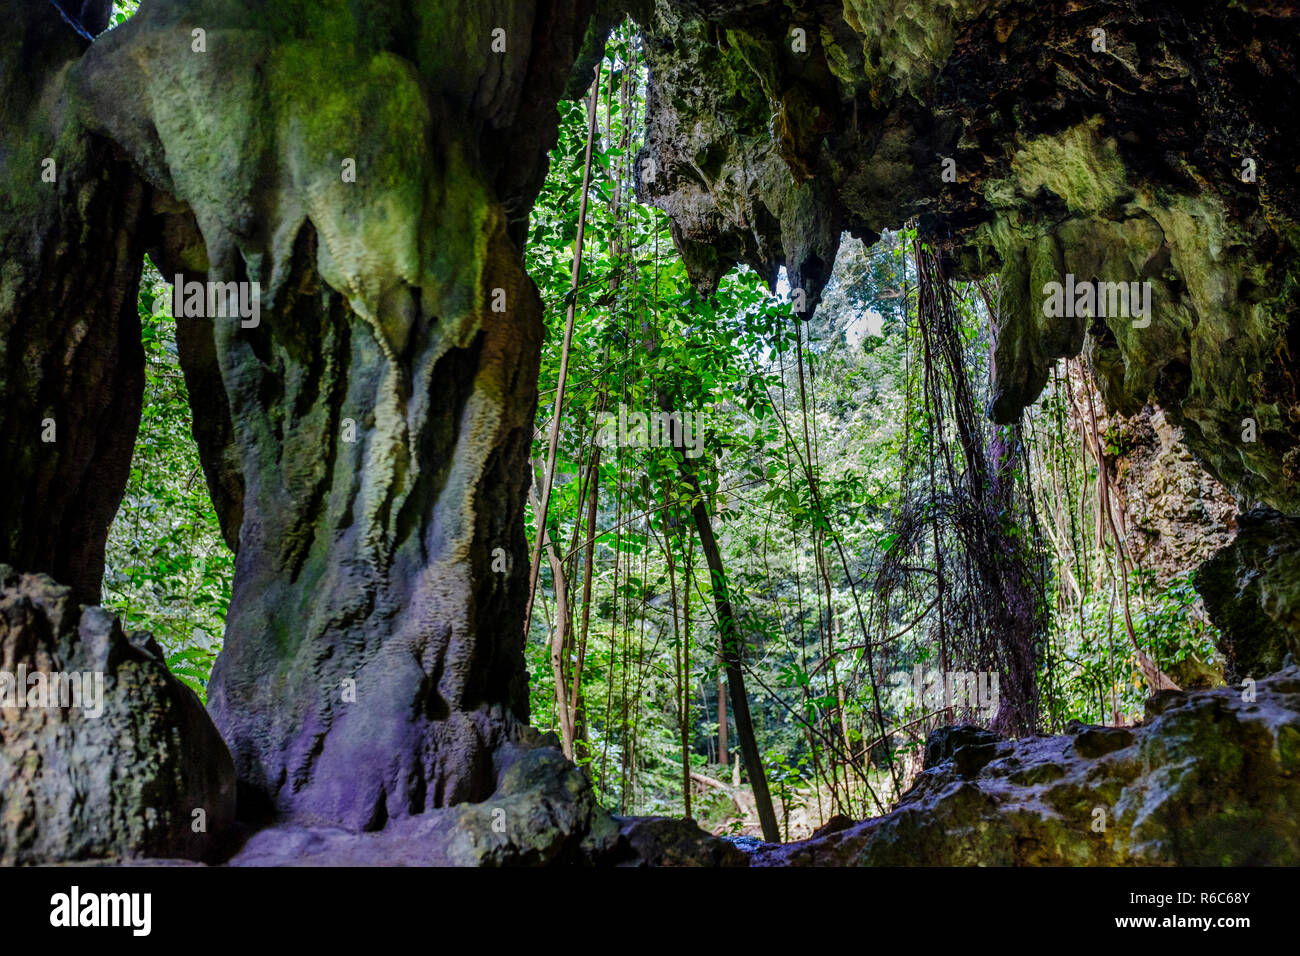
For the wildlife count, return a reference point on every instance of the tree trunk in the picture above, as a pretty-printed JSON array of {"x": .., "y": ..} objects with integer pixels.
[
  {"x": 559, "y": 633},
  {"x": 732, "y": 648},
  {"x": 577, "y": 705},
  {"x": 722, "y": 713}
]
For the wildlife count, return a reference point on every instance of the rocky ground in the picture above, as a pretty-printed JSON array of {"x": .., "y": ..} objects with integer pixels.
[{"x": 1208, "y": 778}]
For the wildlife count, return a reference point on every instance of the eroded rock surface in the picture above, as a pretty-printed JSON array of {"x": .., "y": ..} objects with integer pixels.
[
  {"x": 71, "y": 360},
  {"x": 371, "y": 168},
  {"x": 543, "y": 812},
  {"x": 1208, "y": 779},
  {"x": 1176, "y": 515},
  {"x": 138, "y": 770},
  {"x": 1117, "y": 141},
  {"x": 1251, "y": 589}
]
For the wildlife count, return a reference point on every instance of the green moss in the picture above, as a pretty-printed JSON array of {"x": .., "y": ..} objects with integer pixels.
[
  {"x": 1079, "y": 165},
  {"x": 905, "y": 43}
]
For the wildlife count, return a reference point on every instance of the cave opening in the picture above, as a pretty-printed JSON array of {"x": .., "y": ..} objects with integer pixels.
[
  {"x": 168, "y": 570},
  {"x": 927, "y": 514}
]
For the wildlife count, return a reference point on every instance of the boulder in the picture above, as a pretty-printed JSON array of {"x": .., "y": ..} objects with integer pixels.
[
  {"x": 543, "y": 812},
  {"x": 103, "y": 753},
  {"x": 1210, "y": 778},
  {"x": 1251, "y": 590}
]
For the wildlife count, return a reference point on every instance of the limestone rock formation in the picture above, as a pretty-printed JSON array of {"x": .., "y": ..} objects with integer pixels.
[
  {"x": 543, "y": 812},
  {"x": 371, "y": 169},
  {"x": 1117, "y": 141},
  {"x": 367, "y": 170},
  {"x": 1174, "y": 517},
  {"x": 71, "y": 360},
  {"x": 136, "y": 770},
  {"x": 1176, "y": 514},
  {"x": 1137, "y": 144},
  {"x": 1251, "y": 589},
  {"x": 1210, "y": 778}
]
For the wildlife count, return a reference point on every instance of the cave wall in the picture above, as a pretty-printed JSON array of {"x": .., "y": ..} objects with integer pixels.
[
  {"x": 1251, "y": 588},
  {"x": 1114, "y": 163},
  {"x": 71, "y": 360},
  {"x": 1120, "y": 141},
  {"x": 1175, "y": 516},
  {"x": 365, "y": 439},
  {"x": 371, "y": 170}
]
